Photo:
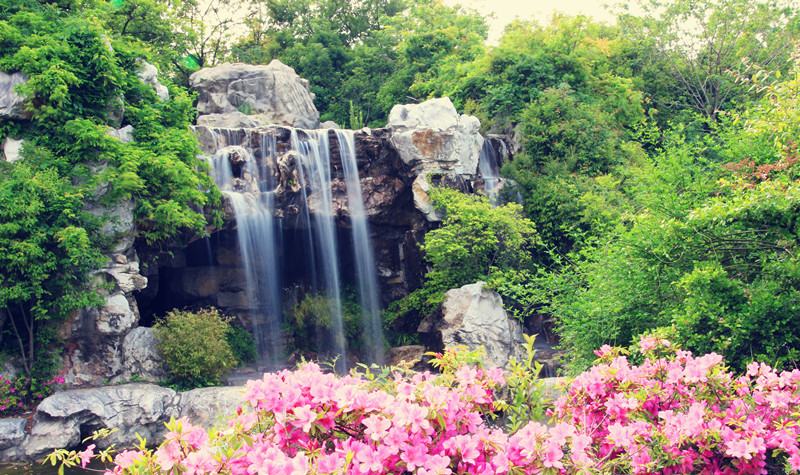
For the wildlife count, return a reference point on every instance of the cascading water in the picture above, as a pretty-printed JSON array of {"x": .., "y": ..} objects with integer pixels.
[
  {"x": 249, "y": 176},
  {"x": 315, "y": 175},
  {"x": 362, "y": 249},
  {"x": 489, "y": 169},
  {"x": 259, "y": 238}
]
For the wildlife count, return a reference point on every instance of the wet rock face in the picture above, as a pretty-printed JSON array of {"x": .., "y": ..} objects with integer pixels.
[{"x": 235, "y": 95}]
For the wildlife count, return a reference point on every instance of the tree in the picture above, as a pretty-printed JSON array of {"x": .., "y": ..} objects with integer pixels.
[
  {"x": 80, "y": 76},
  {"x": 474, "y": 241},
  {"x": 48, "y": 246},
  {"x": 700, "y": 44}
]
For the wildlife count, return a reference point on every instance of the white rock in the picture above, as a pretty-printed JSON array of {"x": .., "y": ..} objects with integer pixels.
[
  {"x": 432, "y": 137},
  {"x": 148, "y": 74},
  {"x": 125, "y": 134},
  {"x": 474, "y": 317},
  {"x": 12, "y": 149}
]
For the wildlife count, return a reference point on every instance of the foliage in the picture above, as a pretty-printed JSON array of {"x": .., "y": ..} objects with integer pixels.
[
  {"x": 23, "y": 393},
  {"x": 47, "y": 249},
  {"x": 527, "y": 400},
  {"x": 710, "y": 249},
  {"x": 365, "y": 53},
  {"x": 194, "y": 347},
  {"x": 82, "y": 80},
  {"x": 243, "y": 345},
  {"x": 310, "y": 321},
  {"x": 675, "y": 414},
  {"x": 697, "y": 44},
  {"x": 474, "y": 241}
]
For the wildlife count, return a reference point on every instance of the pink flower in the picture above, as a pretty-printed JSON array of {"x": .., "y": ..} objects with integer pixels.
[
  {"x": 436, "y": 465},
  {"x": 86, "y": 455},
  {"x": 604, "y": 350},
  {"x": 305, "y": 417}
]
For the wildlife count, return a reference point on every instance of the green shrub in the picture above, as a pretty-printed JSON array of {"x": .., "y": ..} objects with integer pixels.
[
  {"x": 310, "y": 321},
  {"x": 195, "y": 347},
  {"x": 242, "y": 344}
]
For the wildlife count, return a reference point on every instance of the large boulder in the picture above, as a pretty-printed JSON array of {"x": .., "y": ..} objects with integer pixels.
[
  {"x": 434, "y": 138},
  {"x": 474, "y": 317},
  {"x": 267, "y": 94},
  {"x": 65, "y": 417},
  {"x": 12, "y": 104},
  {"x": 141, "y": 359}
]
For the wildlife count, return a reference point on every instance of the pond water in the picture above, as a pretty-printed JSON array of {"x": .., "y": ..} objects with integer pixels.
[{"x": 47, "y": 469}]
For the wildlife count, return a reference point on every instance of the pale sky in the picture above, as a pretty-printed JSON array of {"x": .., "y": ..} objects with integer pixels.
[{"x": 541, "y": 10}]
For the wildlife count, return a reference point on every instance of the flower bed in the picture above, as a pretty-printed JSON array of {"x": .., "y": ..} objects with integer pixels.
[{"x": 672, "y": 414}]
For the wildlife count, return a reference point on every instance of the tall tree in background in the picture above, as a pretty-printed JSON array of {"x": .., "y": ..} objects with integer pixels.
[{"x": 701, "y": 44}]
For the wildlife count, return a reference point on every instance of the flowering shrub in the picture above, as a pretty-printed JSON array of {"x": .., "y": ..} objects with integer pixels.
[
  {"x": 675, "y": 414},
  {"x": 23, "y": 393}
]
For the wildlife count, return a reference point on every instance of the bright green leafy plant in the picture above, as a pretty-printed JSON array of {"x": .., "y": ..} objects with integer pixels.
[{"x": 195, "y": 347}]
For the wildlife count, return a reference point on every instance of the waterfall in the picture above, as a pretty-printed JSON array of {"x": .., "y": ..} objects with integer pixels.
[
  {"x": 258, "y": 236},
  {"x": 249, "y": 176},
  {"x": 488, "y": 166},
  {"x": 315, "y": 174},
  {"x": 366, "y": 272}
]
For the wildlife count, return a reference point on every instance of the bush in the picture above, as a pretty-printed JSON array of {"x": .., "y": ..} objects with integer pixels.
[
  {"x": 195, "y": 347},
  {"x": 242, "y": 344},
  {"x": 24, "y": 393},
  {"x": 309, "y": 323}
]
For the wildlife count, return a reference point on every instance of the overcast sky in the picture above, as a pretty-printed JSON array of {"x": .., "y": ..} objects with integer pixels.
[{"x": 541, "y": 10}]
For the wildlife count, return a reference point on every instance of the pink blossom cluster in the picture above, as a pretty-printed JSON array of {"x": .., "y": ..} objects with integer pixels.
[{"x": 670, "y": 415}]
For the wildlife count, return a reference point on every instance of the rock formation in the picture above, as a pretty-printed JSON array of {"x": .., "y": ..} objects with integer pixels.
[
  {"x": 473, "y": 316},
  {"x": 235, "y": 95},
  {"x": 12, "y": 104},
  {"x": 65, "y": 418}
]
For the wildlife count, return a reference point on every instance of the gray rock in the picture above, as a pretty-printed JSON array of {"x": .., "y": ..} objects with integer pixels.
[
  {"x": 433, "y": 138},
  {"x": 124, "y": 272},
  {"x": 140, "y": 357},
  {"x": 473, "y": 316},
  {"x": 208, "y": 406},
  {"x": 329, "y": 124},
  {"x": 233, "y": 120},
  {"x": 12, "y": 432},
  {"x": 12, "y": 104},
  {"x": 132, "y": 408},
  {"x": 273, "y": 93},
  {"x": 12, "y": 149},
  {"x": 148, "y": 74},
  {"x": 137, "y": 408},
  {"x": 422, "y": 201},
  {"x": 120, "y": 224},
  {"x": 116, "y": 110},
  {"x": 125, "y": 134},
  {"x": 116, "y": 317},
  {"x": 413, "y": 355}
]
